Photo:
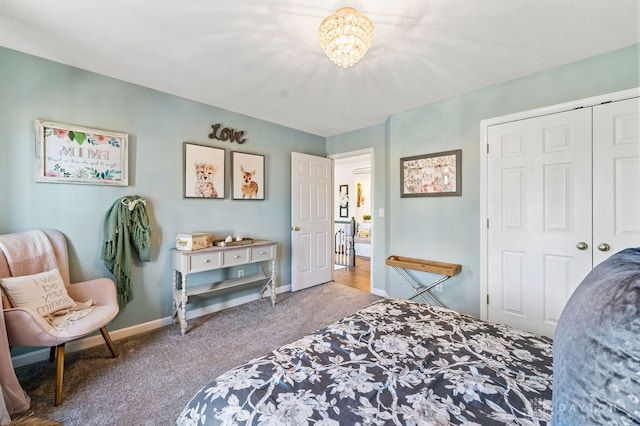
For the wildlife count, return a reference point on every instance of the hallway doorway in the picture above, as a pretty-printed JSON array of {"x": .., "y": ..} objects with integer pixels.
[{"x": 353, "y": 203}]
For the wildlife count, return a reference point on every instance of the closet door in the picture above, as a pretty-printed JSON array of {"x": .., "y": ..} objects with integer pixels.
[
  {"x": 616, "y": 177},
  {"x": 539, "y": 211}
]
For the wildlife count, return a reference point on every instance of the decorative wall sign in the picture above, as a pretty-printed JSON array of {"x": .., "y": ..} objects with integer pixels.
[
  {"x": 431, "y": 175},
  {"x": 226, "y": 134},
  {"x": 203, "y": 171},
  {"x": 248, "y": 176},
  {"x": 66, "y": 153}
]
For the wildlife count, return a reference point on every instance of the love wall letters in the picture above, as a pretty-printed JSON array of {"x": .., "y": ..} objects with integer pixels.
[{"x": 226, "y": 134}]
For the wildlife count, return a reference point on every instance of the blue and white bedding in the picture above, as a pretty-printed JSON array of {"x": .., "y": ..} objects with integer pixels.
[{"x": 393, "y": 362}]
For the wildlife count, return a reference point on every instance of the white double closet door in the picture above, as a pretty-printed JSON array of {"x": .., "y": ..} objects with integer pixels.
[{"x": 562, "y": 195}]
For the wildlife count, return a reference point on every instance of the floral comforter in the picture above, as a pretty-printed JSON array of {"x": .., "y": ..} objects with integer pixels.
[{"x": 393, "y": 362}]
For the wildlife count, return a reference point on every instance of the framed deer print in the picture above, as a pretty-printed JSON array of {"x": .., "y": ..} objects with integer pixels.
[{"x": 247, "y": 175}]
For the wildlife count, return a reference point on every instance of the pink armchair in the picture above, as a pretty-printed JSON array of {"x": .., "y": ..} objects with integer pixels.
[{"x": 25, "y": 327}]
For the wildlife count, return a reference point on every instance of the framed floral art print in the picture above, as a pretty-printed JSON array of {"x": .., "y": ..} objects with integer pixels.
[
  {"x": 431, "y": 175},
  {"x": 67, "y": 153}
]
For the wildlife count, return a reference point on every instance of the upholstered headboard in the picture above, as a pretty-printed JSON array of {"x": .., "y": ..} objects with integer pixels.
[{"x": 596, "y": 349}]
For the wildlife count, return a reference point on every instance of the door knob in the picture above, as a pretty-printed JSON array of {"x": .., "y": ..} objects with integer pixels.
[
  {"x": 604, "y": 247},
  {"x": 295, "y": 228},
  {"x": 582, "y": 245}
]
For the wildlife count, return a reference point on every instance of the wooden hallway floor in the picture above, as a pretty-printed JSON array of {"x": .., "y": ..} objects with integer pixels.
[{"x": 357, "y": 276}]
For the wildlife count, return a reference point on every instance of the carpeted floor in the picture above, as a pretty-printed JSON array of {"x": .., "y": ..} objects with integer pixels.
[{"x": 158, "y": 372}]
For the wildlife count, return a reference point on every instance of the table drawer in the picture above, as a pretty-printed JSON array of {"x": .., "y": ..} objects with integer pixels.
[
  {"x": 262, "y": 253},
  {"x": 204, "y": 262},
  {"x": 235, "y": 257}
]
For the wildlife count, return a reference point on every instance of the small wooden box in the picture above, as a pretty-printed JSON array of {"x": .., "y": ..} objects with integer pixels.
[{"x": 194, "y": 241}]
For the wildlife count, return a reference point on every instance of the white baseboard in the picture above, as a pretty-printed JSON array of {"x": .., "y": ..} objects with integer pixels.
[
  {"x": 379, "y": 292},
  {"x": 95, "y": 340}
]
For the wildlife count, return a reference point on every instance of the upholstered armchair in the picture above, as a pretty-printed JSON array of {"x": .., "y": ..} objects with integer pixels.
[{"x": 26, "y": 327}]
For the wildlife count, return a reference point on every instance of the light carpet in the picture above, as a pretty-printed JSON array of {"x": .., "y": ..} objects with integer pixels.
[{"x": 158, "y": 372}]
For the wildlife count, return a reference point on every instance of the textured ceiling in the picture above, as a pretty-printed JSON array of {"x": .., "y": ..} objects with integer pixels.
[{"x": 261, "y": 57}]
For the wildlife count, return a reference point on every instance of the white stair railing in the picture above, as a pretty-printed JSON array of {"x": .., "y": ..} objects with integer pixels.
[{"x": 344, "y": 252}]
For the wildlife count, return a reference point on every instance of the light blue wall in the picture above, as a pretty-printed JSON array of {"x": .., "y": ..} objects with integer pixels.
[
  {"x": 157, "y": 124},
  {"x": 445, "y": 229},
  {"x": 448, "y": 228}
]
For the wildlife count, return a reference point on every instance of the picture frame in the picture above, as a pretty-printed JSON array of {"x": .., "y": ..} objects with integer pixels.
[
  {"x": 204, "y": 171},
  {"x": 248, "y": 176},
  {"x": 68, "y": 153},
  {"x": 431, "y": 175},
  {"x": 343, "y": 195}
]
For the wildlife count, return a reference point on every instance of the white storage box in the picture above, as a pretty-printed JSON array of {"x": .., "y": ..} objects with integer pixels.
[{"x": 194, "y": 241}]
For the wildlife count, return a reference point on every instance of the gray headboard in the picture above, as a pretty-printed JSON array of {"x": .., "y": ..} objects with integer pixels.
[{"x": 596, "y": 349}]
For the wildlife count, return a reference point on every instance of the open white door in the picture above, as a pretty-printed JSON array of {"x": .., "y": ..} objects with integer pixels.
[{"x": 311, "y": 221}]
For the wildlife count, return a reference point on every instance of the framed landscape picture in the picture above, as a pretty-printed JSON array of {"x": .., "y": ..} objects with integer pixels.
[
  {"x": 67, "y": 153},
  {"x": 431, "y": 175},
  {"x": 203, "y": 171}
]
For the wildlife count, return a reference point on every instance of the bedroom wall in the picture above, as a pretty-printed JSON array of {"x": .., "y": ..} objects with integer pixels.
[
  {"x": 447, "y": 228},
  {"x": 157, "y": 124}
]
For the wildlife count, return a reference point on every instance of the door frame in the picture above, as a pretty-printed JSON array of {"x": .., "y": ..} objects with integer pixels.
[
  {"x": 484, "y": 158},
  {"x": 355, "y": 153}
]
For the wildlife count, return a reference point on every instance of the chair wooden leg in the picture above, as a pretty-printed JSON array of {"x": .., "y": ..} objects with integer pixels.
[
  {"x": 57, "y": 352},
  {"x": 59, "y": 373},
  {"x": 107, "y": 340}
]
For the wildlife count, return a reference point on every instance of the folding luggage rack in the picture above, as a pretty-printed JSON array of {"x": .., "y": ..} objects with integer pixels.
[{"x": 403, "y": 265}]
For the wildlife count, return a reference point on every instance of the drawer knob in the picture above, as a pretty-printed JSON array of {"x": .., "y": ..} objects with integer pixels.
[
  {"x": 207, "y": 261},
  {"x": 236, "y": 257},
  {"x": 263, "y": 252}
]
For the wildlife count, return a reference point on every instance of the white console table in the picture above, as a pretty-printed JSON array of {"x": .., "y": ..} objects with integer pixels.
[{"x": 213, "y": 258}]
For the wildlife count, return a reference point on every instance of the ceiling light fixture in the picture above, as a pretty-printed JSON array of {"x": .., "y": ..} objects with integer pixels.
[{"x": 345, "y": 36}]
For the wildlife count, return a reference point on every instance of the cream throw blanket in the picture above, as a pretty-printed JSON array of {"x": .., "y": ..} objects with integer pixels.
[{"x": 30, "y": 253}]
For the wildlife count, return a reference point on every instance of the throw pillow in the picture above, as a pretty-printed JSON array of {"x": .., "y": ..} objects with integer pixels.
[{"x": 45, "y": 292}]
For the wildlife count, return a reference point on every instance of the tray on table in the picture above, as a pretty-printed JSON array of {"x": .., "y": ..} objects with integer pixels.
[{"x": 223, "y": 243}]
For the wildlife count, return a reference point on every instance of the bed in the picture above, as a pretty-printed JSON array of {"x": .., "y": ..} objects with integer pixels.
[
  {"x": 393, "y": 362},
  {"x": 401, "y": 362}
]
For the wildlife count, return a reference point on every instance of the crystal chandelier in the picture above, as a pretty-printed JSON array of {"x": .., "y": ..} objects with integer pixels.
[{"x": 345, "y": 36}]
